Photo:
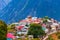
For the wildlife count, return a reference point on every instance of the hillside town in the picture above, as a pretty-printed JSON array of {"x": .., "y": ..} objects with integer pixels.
[{"x": 49, "y": 26}]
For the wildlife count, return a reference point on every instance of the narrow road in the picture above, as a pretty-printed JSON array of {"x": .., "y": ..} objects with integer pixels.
[{"x": 49, "y": 34}]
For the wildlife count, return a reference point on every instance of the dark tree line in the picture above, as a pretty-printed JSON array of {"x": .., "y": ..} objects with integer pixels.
[{"x": 3, "y": 30}]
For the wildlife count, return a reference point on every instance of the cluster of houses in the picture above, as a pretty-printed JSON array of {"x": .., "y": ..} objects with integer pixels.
[{"x": 22, "y": 27}]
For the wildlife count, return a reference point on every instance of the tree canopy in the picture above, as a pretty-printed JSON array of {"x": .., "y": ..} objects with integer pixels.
[
  {"x": 3, "y": 30},
  {"x": 35, "y": 30}
]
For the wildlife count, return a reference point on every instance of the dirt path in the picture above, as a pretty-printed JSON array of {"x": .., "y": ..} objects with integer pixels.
[{"x": 54, "y": 36}]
